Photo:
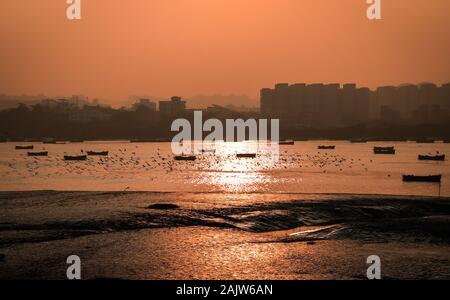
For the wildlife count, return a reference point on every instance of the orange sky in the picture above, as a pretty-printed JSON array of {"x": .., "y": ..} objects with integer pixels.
[{"x": 190, "y": 47}]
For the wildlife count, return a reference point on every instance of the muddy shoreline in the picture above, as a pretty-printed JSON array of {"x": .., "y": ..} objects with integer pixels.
[{"x": 280, "y": 228}]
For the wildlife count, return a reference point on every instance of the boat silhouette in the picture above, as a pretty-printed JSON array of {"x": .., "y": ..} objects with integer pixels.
[
  {"x": 432, "y": 157},
  {"x": 246, "y": 155},
  {"x": 384, "y": 150},
  {"x": 43, "y": 153},
  {"x": 415, "y": 178},
  {"x": 25, "y": 147},
  {"x": 326, "y": 147},
  {"x": 75, "y": 158},
  {"x": 425, "y": 141},
  {"x": 97, "y": 153},
  {"x": 286, "y": 143},
  {"x": 185, "y": 158}
]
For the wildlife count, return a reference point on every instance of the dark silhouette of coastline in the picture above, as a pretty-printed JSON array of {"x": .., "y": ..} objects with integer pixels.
[{"x": 315, "y": 111}]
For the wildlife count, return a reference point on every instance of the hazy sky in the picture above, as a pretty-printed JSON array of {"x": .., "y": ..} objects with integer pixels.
[{"x": 189, "y": 47}]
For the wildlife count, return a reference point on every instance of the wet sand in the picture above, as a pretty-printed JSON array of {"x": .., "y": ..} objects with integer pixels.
[{"x": 222, "y": 236}]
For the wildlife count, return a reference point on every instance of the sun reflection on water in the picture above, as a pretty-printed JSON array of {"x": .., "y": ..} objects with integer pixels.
[{"x": 239, "y": 175}]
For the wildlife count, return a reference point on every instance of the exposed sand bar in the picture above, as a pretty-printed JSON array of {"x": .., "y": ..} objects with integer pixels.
[{"x": 222, "y": 236}]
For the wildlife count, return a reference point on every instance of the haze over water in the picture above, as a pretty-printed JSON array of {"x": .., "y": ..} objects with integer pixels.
[{"x": 351, "y": 168}]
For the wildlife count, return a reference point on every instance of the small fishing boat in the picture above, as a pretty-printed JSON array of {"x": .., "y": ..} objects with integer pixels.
[
  {"x": 432, "y": 157},
  {"x": 358, "y": 141},
  {"x": 246, "y": 155},
  {"x": 213, "y": 151},
  {"x": 97, "y": 153},
  {"x": 25, "y": 147},
  {"x": 49, "y": 141},
  {"x": 430, "y": 178},
  {"x": 185, "y": 158},
  {"x": 425, "y": 141},
  {"x": 286, "y": 143},
  {"x": 75, "y": 158},
  {"x": 384, "y": 150},
  {"x": 43, "y": 153},
  {"x": 326, "y": 147}
]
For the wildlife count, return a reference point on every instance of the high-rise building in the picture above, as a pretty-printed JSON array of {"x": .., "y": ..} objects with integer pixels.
[
  {"x": 175, "y": 107},
  {"x": 329, "y": 105}
]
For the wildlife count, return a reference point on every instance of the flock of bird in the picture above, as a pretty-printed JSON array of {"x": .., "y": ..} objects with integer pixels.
[{"x": 134, "y": 160}]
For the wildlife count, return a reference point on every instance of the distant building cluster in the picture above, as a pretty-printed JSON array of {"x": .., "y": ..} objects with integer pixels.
[
  {"x": 305, "y": 111},
  {"x": 422, "y": 104},
  {"x": 333, "y": 105},
  {"x": 77, "y": 109}
]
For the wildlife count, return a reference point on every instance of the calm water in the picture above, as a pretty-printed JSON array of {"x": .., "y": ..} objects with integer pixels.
[{"x": 351, "y": 168}]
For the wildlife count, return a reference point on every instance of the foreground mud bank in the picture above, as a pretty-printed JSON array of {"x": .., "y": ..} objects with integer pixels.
[
  {"x": 217, "y": 236},
  {"x": 43, "y": 216}
]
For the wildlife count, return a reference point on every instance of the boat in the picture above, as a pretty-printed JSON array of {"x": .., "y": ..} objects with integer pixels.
[
  {"x": 185, "y": 158},
  {"x": 425, "y": 141},
  {"x": 75, "y": 158},
  {"x": 358, "y": 141},
  {"x": 213, "y": 151},
  {"x": 415, "y": 178},
  {"x": 384, "y": 150},
  {"x": 43, "y": 153},
  {"x": 49, "y": 141},
  {"x": 432, "y": 157},
  {"x": 326, "y": 147},
  {"x": 246, "y": 155},
  {"x": 286, "y": 142},
  {"x": 446, "y": 141},
  {"x": 25, "y": 147},
  {"x": 97, "y": 153}
]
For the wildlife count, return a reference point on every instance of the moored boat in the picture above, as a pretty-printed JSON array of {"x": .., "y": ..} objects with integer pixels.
[
  {"x": 49, "y": 141},
  {"x": 185, "y": 158},
  {"x": 287, "y": 142},
  {"x": 432, "y": 157},
  {"x": 43, "y": 153},
  {"x": 30, "y": 147},
  {"x": 246, "y": 155},
  {"x": 384, "y": 150},
  {"x": 97, "y": 153},
  {"x": 415, "y": 178},
  {"x": 326, "y": 147},
  {"x": 358, "y": 141},
  {"x": 213, "y": 151},
  {"x": 75, "y": 158},
  {"x": 425, "y": 141}
]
